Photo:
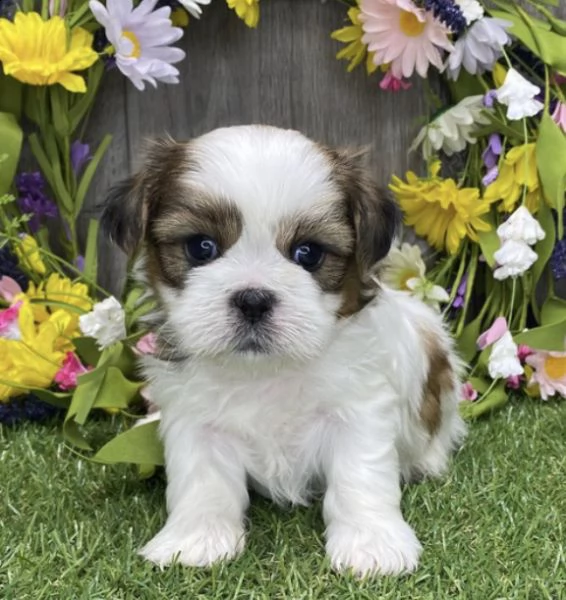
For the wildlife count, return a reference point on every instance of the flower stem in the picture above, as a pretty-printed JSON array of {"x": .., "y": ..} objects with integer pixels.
[
  {"x": 488, "y": 391},
  {"x": 469, "y": 287},
  {"x": 513, "y": 290}
]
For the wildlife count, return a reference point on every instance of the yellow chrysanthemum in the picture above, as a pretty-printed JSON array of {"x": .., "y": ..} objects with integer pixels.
[
  {"x": 28, "y": 255},
  {"x": 518, "y": 169},
  {"x": 440, "y": 211},
  {"x": 42, "y": 52},
  {"x": 33, "y": 359},
  {"x": 356, "y": 50},
  {"x": 247, "y": 10},
  {"x": 58, "y": 294}
]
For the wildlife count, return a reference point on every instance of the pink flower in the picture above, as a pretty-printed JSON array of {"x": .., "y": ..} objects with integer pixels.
[
  {"x": 549, "y": 372},
  {"x": 9, "y": 288},
  {"x": 67, "y": 375},
  {"x": 468, "y": 392},
  {"x": 147, "y": 344},
  {"x": 523, "y": 352},
  {"x": 513, "y": 382},
  {"x": 403, "y": 35},
  {"x": 559, "y": 115},
  {"x": 9, "y": 327},
  {"x": 390, "y": 83},
  {"x": 494, "y": 333}
]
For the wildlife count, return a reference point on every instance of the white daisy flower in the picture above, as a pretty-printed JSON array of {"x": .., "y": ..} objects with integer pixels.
[
  {"x": 193, "y": 6},
  {"x": 452, "y": 129},
  {"x": 141, "y": 39},
  {"x": 504, "y": 360},
  {"x": 471, "y": 9},
  {"x": 106, "y": 323},
  {"x": 402, "y": 263},
  {"x": 428, "y": 292},
  {"x": 521, "y": 226},
  {"x": 479, "y": 48},
  {"x": 518, "y": 94},
  {"x": 513, "y": 259}
]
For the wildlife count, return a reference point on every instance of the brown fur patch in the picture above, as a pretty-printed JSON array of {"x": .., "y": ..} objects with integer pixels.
[{"x": 439, "y": 380}]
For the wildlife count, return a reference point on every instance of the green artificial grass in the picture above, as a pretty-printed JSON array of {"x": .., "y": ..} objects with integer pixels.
[{"x": 493, "y": 529}]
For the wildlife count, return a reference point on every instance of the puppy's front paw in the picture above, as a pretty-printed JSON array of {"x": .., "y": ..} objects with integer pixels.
[
  {"x": 388, "y": 548},
  {"x": 202, "y": 545}
]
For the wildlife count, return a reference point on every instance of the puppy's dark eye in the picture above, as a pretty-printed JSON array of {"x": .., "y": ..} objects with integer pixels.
[
  {"x": 201, "y": 249},
  {"x": 308, "y": 255}
]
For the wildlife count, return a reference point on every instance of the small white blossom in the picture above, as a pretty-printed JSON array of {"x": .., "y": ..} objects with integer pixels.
[
  {"x": 402, "y": 263},
  {"x": 521, "y": 226},
  {"x": 518, "y": 94},
  {"x": 106, "y": 323},
  {"x": 478, "y": 49},
  {"x": 503, "y": 360},
  {"x": 425, "y": 290},
  {"x": 471, "y": 9},
  {"x": 193, "y": 6},
  {"x": 453, "y": 129},
  {"x": 513, "y": 258}
]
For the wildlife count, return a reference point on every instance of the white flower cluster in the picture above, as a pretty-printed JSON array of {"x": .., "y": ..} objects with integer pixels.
[
  {"x": 106, "y": 323},
  {"x": 517, "y": 235}
]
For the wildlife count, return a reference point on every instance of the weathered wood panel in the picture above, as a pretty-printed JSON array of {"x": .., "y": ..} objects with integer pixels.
[{"x": 284, "y": 73}]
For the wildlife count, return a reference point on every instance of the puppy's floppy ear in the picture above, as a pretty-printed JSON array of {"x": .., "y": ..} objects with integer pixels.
[
  {"x": 131, "y": 202},
  {"x": 374, "y": 214}
]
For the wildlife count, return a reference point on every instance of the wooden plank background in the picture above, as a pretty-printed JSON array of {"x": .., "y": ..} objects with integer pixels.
[{"x": 284, "y": 73}]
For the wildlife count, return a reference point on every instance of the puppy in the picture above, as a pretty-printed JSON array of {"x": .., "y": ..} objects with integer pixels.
[{"x": 284, "y": 364}]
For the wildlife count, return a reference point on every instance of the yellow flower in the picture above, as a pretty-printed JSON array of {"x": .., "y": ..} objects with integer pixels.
[
  {"x": 44, "y": 52},
  {"x": 518, "y": 169},
  {"x": 58, "y": 294},
  {"x": 34, "y": 359},
  {"x": 356, "y": 50},
  {"x": 247, "y": 10},
  {"x": 28, "y": 255},
  {"x": 440, "y": 211}
]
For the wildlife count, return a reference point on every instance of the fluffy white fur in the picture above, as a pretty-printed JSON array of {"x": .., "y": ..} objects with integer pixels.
[{"x": 335, "y": 406}]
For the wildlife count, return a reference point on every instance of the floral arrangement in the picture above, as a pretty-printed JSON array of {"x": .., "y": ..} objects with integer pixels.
[{"x": 489, "y": 204}]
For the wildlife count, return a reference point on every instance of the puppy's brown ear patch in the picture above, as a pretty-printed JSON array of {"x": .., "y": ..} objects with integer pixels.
[
  {"x": 375, "y": 218},
  {"x": 439, "y": 382},
  {"x": 130, "y": 203}
]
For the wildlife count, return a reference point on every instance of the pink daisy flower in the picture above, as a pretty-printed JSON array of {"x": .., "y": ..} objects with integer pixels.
[
  {"x": 404, "y": 36},
  {"x": 549, "y": 372}
]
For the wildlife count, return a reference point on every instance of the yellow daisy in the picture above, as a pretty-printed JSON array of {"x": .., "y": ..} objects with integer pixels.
[
  {"x": 247, "y": 10},
  {"x": 33, "y": 359},
  {"x": 439, "y": 210},
  {"x": 28, "y": 255},
  {"x": 356, "y": 50},
  {"x": 518, "y": 169},
  {"x": 42, "y": 52}
]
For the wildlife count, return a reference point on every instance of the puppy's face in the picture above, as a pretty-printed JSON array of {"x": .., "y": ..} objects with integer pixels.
[{"x": 257, "y": 241}]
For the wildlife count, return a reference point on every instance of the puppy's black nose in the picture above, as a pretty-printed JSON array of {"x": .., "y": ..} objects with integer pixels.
[{"x": 254, "y": 304}]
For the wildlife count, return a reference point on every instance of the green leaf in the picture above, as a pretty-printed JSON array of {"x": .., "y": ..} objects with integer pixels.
[
  {"x": 480, "y": 385},
  {"x": 59, "y": 399},
  {"x": 89, "y": 173},
  {"x": 91, "y": 254},
  {"x": 466, "y": 85},
  {"x": 489, "y": 241},
  {"x": 544, "y": 247},
  {"x": 551, "y": 143},
  {"x": 139, "y": 445},
  {"x": 496, "y": 398},
  {"x": 466, "y": 343},
  {"x": 11, "y": 97},
  {"x": 60, "y": 110},
  {"x": 85, "y": 101},
  {"x": 547, "y": 337},
  {"x": 553, "y": 311},
  {"x": 11, "y": 136},
  {"x": 87, "y": 350}
]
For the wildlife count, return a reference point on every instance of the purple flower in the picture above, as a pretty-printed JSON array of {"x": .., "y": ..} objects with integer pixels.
[
  {"x": 489, "y": 98},
  {"x": 491, "y": 158},
  {"x": 460, "y": 293},
  {"x": 80, "y": 263},
  {"x": 80, "y": 155},
  {"x": 558, "y": 260},
  {"x": 32, "y": 199}
]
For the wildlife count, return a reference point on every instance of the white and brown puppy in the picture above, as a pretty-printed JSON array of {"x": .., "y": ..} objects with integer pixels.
[{"x": 284, "y": 363}]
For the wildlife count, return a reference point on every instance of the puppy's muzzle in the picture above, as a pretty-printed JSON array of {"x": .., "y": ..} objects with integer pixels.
[{"x": 254, "y": 305}]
